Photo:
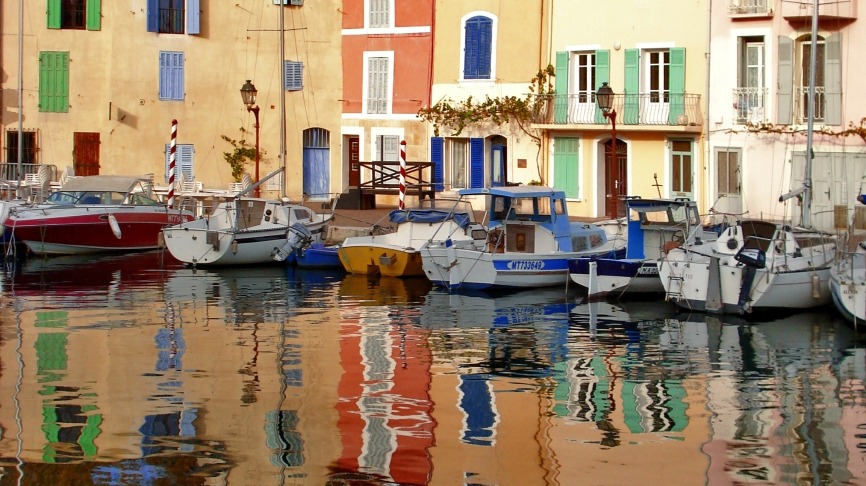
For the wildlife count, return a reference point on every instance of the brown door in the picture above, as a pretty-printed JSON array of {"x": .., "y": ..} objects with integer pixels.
[
  {"x": 615, "y": 179},
  {"x": 354, "y": 163},
  {"x": 85, "y": 153}
]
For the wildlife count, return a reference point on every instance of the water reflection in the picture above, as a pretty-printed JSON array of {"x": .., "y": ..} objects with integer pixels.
[{"x": 138, "y": 370}]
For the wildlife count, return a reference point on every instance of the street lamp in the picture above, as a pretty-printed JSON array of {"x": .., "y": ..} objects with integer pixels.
[
  {"x": 248, "y": 93},
  {"x": 604, "y": 98}
]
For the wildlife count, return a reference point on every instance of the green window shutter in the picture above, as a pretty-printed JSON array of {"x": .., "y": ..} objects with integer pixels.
[
  {"x": 53, "y": 14},
  {"x": 677, "y": 85},
  {"x": 54, "y": 82},
  {"x": 566, "y": 165},
  {"x": 602, "y": 75},
  {"x": 631, "y": 103},
  {"x": 833, "y": 80},
  {"x": 94, "y": 14},
  {"x": 785, "y": 93},
  {"x": 560, "y": 100}
]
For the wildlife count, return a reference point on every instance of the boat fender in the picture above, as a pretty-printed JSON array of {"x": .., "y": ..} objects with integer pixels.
[
  {"x": 816, "y": 287},
  {"x": 115, "y": 227}
]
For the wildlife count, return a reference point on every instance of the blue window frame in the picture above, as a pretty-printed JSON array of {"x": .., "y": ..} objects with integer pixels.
[{"x": 477, "y": 48}]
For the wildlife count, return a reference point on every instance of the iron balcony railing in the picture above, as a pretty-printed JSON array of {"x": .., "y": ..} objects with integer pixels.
[
  {"x": 801, "y": 103},
  {"x": 641, "y": 109},
  {"x": 750, "y": 7},
  {"x": 749, "y": 105}
]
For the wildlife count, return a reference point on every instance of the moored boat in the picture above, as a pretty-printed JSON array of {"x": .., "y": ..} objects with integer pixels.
[
  {"x": 527, "y": 243},
  {"x": 93, "y": 214}
]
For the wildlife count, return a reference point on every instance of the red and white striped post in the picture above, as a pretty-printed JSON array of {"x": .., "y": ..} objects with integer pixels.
[
  {"x": 172, "y": 152},
  {"x": 402, "y": 174}
]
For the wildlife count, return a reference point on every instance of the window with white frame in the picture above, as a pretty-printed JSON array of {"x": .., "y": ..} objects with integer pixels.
[
  {"x": 479, "y": 34},
  {"x": 657, "y": 79},
  {"x": 751, "y": 91},
  {"x": 584, "y": 76},
  {"x": 378, "y": 90},
  {"x": 458, "y": 163},
  {"x": 387, "y": 148},
  {"x": 728, "y": 172},
  {"x": 802, "y": 77},
  {"x": 379, "y": 14}
]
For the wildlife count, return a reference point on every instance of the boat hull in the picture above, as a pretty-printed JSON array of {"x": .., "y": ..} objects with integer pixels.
[
  {"x": 318, "y": 256},
  {"x": 622, "y": 276},
  {"x": 84, "y": 231},
  {"x": 384, "y": 260},
  {"x": 848, "y": 290},
  {"x": 200, "y": 246}
]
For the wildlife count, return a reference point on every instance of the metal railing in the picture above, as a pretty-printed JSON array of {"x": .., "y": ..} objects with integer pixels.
[
  {"x": 9, "y": 171},
  {"x": 801, "y": 102},
  {"x": 641, "y": 109},
  {"x": 749, "y": 105},
  {"x": 747, "y": 7}
]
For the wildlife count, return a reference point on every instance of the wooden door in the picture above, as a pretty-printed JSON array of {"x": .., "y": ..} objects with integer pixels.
[
  {"x": 85, "y": 153},
  {"x": 354, "y": 162},
  {"x": 615, "y": 177}
]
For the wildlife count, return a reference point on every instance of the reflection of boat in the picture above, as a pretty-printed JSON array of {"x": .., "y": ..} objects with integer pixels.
[
  {"x": 653, "y": 227},
  {"x": 528, "y": 243},
  {"x": 481, "y": 310},
  {"x": 94, "y": 214},
  {"x": 368, "y": 290},
  {"x": 397, "y": 254},
  {"x": 245, "y": 230}
]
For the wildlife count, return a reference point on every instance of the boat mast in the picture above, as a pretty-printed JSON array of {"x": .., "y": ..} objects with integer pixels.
[
  {"x": 282, "y": 101},
  {"x": 805, "y": 218},
  {"x": 20, "y": 93}
]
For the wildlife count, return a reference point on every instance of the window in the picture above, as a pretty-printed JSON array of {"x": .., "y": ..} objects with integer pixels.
[
  {"x": 681, "y": 167},
  {"x": 184, "y": 154},
  {"x": 750, "y": 92},
  {"x": 458, "y": 173},
  {"x": 74, "y": 14},
  {"x": 170, "y": 75},
  {"x": 379, "y": 14},
  {"x": 804, "y": 73},
  {"x": 294, "y": 75},
  {"x": 378, "y": 89},
  {"x": 387, "y": 148},
  {"x": 478, "y": 42},
  {"x": 658, "y": 76},
  {"x": 28, "y": 152},
  {"x": 728, "y": 175},
  {"x": 584, "y": 77},
  {"x": 54, "y": 82},
  {"x": 173, "y": 16}
]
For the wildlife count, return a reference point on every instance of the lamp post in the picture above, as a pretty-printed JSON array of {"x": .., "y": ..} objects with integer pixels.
[
  {"x": 604, "y": 98},
  {"x": 248, "y": 93}
]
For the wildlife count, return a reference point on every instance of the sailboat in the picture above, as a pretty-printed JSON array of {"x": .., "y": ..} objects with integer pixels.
[{"x": 757, "y": 264}]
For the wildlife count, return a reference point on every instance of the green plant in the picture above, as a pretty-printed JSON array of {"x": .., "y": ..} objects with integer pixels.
[{"x": 239, "y": 156}]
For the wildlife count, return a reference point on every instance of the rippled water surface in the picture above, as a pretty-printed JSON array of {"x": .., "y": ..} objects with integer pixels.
[{"x": 136, "y": 370}]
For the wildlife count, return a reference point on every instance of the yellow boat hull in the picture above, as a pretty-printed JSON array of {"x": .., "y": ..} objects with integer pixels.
[{"x": 377, "y": 260}]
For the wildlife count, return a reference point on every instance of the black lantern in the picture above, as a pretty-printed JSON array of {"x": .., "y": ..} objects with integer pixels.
[{"x": 603, "y": 97}]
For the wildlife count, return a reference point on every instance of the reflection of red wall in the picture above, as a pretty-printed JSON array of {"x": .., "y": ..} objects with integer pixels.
[
  {"x": 412, "y": 56},
  {"x": 409, "y": 398}
]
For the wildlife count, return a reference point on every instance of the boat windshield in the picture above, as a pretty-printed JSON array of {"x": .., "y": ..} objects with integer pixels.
[{"x": 99, "y": 197}]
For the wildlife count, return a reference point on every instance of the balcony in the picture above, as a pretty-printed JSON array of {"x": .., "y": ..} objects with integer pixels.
[
  {"x": 645, "y": 109},
  {"x": 749, "y": 105},
  {"x": 738, "y": 9},
  {"x": 797, "y": 12},
  {"x": 801, "y": 103}
]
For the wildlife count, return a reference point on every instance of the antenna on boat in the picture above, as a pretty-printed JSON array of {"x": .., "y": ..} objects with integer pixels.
[{"x": 805, "y": 219}]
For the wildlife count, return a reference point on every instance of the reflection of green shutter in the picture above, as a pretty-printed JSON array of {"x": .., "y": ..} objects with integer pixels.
[
  {"x": 677, "y": 86},
  {"x": 90, "y": 432},
  {"x": 560, "y": 101},
  {"x": 53, "y": 319},
  {"x": 602, "y": 75},
  {"x": 566, "y": 160},
  {"x": 50, "y": 355},
  {"x": 662, "y": 411},
  {"x": 53, "y": 14},
  {"x": 94, "y": 15},
  {"x": 631, "y": 90},
  {"x": 601, "y": 395}
]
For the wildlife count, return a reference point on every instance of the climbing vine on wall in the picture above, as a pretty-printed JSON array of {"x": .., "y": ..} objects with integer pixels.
[
  {"x": 238, "y": 157},
  {"x": 851, "y": 130}
]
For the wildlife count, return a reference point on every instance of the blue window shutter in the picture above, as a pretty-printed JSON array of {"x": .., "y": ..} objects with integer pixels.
[
  {"x": 478, "y": 48},
  {"x": 437, "y": 155},
  {"x": 602, "y": 75},
  {"x": 476, "y": 162},
  {"x": 94, "y": 14},
  {"x": 193, "y": 17},
  {"x": 170, "y": 75},
  {"x": 293, "y": 72},
  {"x": 560, "y": 101},
  {"x": 833, "y": 80},
  {"x": 631, "y": 111},
  {"x": 53, "y": 14},
  {"x": 153, "y": 15},
  {"x": 566, "y": 165},
  {"x": 785, "y": 92},
  {"x": 677, "y": 84}
]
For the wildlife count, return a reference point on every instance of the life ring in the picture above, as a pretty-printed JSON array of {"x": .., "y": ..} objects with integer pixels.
[{"x": 495, "y": 241}]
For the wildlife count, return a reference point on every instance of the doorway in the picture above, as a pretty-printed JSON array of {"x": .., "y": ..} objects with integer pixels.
[{"x": 615, "y": 177}]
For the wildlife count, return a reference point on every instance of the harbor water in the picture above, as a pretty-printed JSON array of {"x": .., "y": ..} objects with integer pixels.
[{"x": 137, "y": 370}]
